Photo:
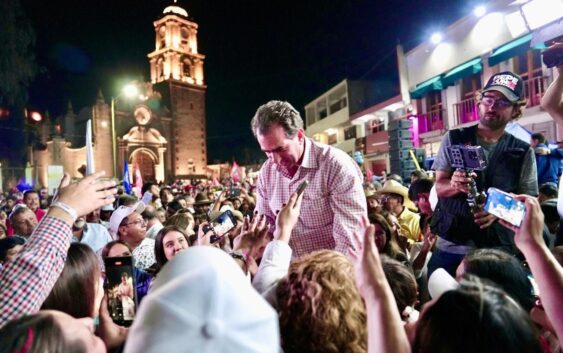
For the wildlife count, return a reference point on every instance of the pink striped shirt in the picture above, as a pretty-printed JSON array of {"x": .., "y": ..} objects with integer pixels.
[{"x": 333, "y": 203}]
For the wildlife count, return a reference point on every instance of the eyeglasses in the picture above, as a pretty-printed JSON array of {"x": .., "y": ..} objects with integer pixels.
[
  {"x": 501, "y": 103},
  {"x": 140, "y": 221}
]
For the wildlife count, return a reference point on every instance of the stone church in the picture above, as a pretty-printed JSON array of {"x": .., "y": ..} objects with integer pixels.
[{"x": 162, "y": 131}]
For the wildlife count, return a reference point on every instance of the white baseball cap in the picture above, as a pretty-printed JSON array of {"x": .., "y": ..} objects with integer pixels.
[
  {"x": 201, "y": 301},
  {"x": 122, "y": 212},
  {"x": 439, "y": 282}
]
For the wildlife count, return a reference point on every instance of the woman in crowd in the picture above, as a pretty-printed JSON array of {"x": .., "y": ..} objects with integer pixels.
[
  {"x": 489, "y": 319},
  {"x": 503, "y": 270},
  {"x": 404, "y": 287},
  {"x": 385, "y": 238},
  {"x": 79, "y": 289},
  {"x": 319, "y": 308},
  {"x": 169, "y": 241},
  {"x": 143, "y": 280}
]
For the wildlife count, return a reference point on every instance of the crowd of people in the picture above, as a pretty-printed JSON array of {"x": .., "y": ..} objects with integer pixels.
[{"x": 316, "y": 257}]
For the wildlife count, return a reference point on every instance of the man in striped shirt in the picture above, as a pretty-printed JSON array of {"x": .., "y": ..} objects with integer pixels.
[{"x": 333, "y": 203}]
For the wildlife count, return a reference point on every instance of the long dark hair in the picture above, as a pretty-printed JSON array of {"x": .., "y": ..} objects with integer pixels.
[
  {"x": 475, "y": 317},
  {"x": 75, "y": 291},
  {"x": 505, "y": 271},
  {"x": 391, "y": 247},
  {"x": 159, "y": 247}
]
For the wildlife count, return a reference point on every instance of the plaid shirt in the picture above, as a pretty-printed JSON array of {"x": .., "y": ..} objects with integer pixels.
[
  {"x": 26, "y": 281},
  {"x": 333, "y": 203}
]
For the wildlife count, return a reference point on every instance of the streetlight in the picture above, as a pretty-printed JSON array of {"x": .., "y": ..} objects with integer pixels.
[{"x": 129, "y": 91}]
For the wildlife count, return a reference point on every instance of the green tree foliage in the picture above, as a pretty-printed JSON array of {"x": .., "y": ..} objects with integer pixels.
[
  {"x": 17, "y": 70},
  {"x": 17, "y": 59}
]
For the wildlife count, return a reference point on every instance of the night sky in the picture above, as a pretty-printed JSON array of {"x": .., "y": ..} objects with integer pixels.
[{"x": 255, "y": 51}]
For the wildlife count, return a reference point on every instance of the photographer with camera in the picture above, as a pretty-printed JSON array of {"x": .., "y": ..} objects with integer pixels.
[
  {"x": 511, "y": 167},
  {"x": 552, "y": 101}
]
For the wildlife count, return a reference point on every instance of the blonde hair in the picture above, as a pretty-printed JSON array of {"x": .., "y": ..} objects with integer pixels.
[{"x": 319, "y": 307}]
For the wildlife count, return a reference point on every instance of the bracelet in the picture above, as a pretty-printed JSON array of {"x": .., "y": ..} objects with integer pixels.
[{"x": 63, "y": 206}]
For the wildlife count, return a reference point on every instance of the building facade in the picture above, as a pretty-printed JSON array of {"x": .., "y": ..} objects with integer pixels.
[
  {"x": 161, "y": 131},
  {"x": 438, "y": 84}
]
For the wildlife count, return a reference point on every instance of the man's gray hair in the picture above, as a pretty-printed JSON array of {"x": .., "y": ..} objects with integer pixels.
[
  {"x": 18, "y": 209},
  {"x": 276, "y": 112}
]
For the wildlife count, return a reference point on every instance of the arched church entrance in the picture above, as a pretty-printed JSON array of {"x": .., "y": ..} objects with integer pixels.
[{"x": 145, "y": 160}]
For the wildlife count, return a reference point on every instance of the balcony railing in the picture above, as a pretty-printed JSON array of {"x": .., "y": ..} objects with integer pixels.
[
  {"x": 430, "y": 121},
  {"x": 465, "y": 111},
  {"x": 534, "y": 89}
]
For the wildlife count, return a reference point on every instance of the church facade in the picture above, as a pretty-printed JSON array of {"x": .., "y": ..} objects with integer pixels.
[{"x": 162, "y": 132}]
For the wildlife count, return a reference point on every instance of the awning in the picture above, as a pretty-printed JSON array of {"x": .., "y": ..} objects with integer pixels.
[
  {"x": 509, "y": 50},
  {"x": 469, "y": 68},
  {"x": 434, "y": 84}
]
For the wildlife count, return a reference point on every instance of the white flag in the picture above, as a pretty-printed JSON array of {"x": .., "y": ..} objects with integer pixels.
[{"x": 90, "y": 167}]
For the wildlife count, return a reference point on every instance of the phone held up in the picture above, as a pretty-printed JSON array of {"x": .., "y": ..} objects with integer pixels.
[
  {"x": 121, "y": 289},
  {"x": 222, "y": 225},
  {"x": 505, "y": 206},
  {"x": 302, "y": 187}
]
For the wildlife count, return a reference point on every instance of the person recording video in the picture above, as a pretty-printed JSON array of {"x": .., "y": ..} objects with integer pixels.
[{"x": 511, "y": 167}]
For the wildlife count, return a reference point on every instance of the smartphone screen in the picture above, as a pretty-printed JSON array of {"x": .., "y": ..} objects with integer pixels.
[
  {"x": 224, "y": 223},
  {"x": 120, "y": 289},
  {"x": 505, "y": 206},
  {"x": 234, "y": 192},
  {"x": 302, "y": 187}
]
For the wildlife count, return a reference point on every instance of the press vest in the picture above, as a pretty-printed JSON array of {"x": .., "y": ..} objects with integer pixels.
[{"x": 453, "y": 219}]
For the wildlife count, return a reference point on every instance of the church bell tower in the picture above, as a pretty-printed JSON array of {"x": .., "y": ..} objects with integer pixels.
[{"x": 177, "y": 73}]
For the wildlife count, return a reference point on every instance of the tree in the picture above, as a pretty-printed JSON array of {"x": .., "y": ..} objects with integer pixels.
[{"x": 17, "y": 70}]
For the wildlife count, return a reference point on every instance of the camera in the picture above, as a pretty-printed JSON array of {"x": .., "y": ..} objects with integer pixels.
[
  {"x": 553, "y": 57},
  {"x": 467, "y": 157}
]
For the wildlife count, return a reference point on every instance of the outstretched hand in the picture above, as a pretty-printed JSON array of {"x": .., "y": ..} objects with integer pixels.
[
  {"x": 286, "y": 219},
  {"x": 254, "y": 236},
  {"x": 530, "y": 232},
  {"x": 368, "y": 269},
  {"x": 86, "y": 195}
]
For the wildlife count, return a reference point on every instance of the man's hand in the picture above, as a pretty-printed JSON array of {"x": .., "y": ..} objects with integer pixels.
[
  {"x": 484, "y": 219},
  {"x": 287, "y": 218},
  {"x": 460, "y": 181},
  {"x": 86, "y": 195}
]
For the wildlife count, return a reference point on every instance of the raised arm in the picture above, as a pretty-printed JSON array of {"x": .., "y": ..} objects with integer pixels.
[
  {"x": 385, "y": 328},
  {"x": 545, "y": 268},
  {"x": 28, "y": 279},
  {"x": 552, "y": 100}
]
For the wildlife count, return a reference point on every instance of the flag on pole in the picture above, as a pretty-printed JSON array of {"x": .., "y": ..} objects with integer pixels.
[
  {"x": 138, "y": 177},
  {"x": 235, "y": 172},
  {"x": 90, "y": 167},
  {"x": 126, "y": 178}
]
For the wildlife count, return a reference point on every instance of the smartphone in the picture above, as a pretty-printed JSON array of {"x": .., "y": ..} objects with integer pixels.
[
  {"x": 233, "y": 192},
  {"x": 222, "y": 225},
  {"x": 121, "y": 289},
  {"x": 505, "y": 206},
  {"x": 302, "y": 187}
]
